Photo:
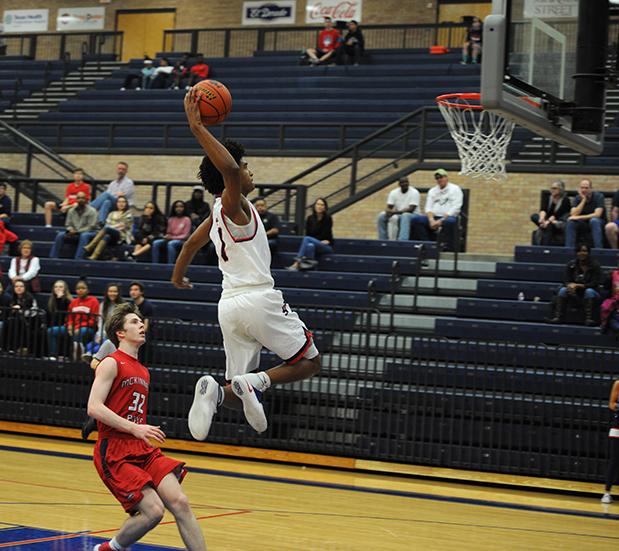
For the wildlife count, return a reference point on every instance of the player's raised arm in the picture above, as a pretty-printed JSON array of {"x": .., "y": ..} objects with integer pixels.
[
  {"x": 104, "y": 377},
  {"x": 198, "y": 239},
  {"x": 219, "y": 155}
]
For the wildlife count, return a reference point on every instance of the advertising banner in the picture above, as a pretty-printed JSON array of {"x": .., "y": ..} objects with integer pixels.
[
  {"x": 80, "y": 19},
  {"x": 20, "y": 21},
  {"x": 338, "y": 10},
  {"x": 269, "y": 13}
]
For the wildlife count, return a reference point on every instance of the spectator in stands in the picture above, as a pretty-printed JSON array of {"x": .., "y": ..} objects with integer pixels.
[
  {"x": 401, "y": 204},
  {"x": 178, "y": 230},
  {"x": 7, "y": 236},
  {"x": 582, "y": 281},
  {"x": 82, "y": 321},
  {"x": 70, "y": 197},
  {"x": 5, "y": 305},
  {"x": 80, "y": 227},
  {"x": 57, "y": 309},
  {"x": 443, "y": 205},
  {"x": 609, "y": 311},
  {"x": 352, "y": 46},
  {"x": 26, "y": 267},
  {"x": 162, "y": 76},
  {"x": 152, "y": 226},
  {"x": 143, "y": 78},
  {"x": 552, "y": 215},
  {"x": 612, "y": 471},
  {"x": 111, "y": 299},
  {"x": 588, "y": 213},
  {"x": 612, "y": 228},
  {"x": 318, "y": 238},
  {"x": 270, "y": 222},
  {"x": 180, "y": 71},
  {"x": 199, "y": 71},
  {"x": 136, "y": 292},
  {"x": 122, "y": 186},
  {"x": 328, "y": 41},
  {"x": 6, "y": 206},
  {"x": 471, "y": 51},
  {"x": 20, "y": 320},
  {"x": 197, "y": 208},
  {"x": 118, "y": 229}
]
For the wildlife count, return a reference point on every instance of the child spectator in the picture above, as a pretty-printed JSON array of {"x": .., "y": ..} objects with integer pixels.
[
  {"x": 197, "y": 208},
  {"x": 26, "y": 267},
  {"x": 57, "y": 309},
  {"x": 471, "y": 51},
  {"x": 70, "y": 197},
  {"x": 199, "y": 71},
  {"x": 318, "y": 237},
  {"x": 118, "y": 229},
  {"x": 179, "y": 228},
  {"x": 152, "y": 226},
  {"x": 328, "y": 41}
]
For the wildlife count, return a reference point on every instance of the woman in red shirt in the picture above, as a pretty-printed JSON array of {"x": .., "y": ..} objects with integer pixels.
[{"x": 82, "y": 321}]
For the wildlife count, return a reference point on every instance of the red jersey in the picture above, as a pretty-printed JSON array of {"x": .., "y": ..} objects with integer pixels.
[
  {"x": 128, "y": 396},
  {"x": 200, "y": 69},
  {"x": 328, "y": 39},
  {"x": 73, "y": 189}
]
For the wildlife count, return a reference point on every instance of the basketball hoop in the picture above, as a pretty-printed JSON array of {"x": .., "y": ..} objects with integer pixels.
[{"x": 481, "y": 136}]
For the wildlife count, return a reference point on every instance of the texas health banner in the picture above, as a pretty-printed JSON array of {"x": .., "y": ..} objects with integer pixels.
[{"x": 21, "y": 21}]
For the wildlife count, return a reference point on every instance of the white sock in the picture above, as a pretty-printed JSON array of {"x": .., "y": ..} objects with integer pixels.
[
  {"x": 115, "y": 545},
  {"x": 260, "y": 381},
  {"x": 48, "y": 225}
]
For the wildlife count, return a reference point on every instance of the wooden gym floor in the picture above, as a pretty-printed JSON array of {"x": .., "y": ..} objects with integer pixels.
[{"x": 52, "y": 499}]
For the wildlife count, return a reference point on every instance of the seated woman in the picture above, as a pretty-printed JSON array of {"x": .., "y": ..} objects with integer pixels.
[
  {"x": 26, "y": 267},
  {"x": 609, "y": 311},
  {"x": 471, "y": 49},
  {"x": 582, "y": 281},
  {"x": 550, "y": 220},
  {"x": 57, "y": 308},
  {"x": 179, "y": 228},
  {"x": 19, "y": 331},
  {"x": 118, "y": 229},
  {"x": 152, "y": 226},
  {"x": 318, "y": 237}
]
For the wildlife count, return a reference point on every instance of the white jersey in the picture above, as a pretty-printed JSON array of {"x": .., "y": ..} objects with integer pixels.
[{"x": 243, "y": 252}]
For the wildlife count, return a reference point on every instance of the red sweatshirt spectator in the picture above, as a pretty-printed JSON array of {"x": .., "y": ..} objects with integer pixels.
[
  {"x": 199, "y": 71},
  {"x": 70, "y": 196},
  {"x": 329, "y": 39},
  {"x": 179, "y": 228},
  {"x": 6, "y": 236}
]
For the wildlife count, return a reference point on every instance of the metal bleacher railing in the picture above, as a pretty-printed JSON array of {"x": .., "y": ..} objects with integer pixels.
[
  {"x": 291, "y": 199},
  {"x": 491, "y": 406},
  {"x": 243, "y": 41},
  {"x": 59, "y": 45}
]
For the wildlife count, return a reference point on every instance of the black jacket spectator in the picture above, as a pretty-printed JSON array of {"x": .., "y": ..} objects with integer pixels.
[
  {"x": 197, "y": 208},
  {"x": 321, "y": 229},
  {"x": 353, "y": 45},
  {"x": 591, "y": 278},
  {"x": 553, "y": 213}
]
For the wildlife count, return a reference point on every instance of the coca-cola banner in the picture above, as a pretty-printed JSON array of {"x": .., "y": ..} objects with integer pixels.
[
  {"x": 269, "y": 13},
  {"x": 342, "y": 10}
]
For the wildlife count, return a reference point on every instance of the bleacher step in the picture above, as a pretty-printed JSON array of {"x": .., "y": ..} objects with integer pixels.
[
  {"x": 444, "y": 304},
  {"x": 452, "y": 285}
]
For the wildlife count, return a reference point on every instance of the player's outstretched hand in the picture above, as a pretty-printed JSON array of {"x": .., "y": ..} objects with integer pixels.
[
  {"x": 147, "y": 433},
  {"x": 183, "y": 283},
  {"x": 191, "y": 108}
]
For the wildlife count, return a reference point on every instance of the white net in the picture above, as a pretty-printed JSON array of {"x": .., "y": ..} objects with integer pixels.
[{"x": 482, "y": 137}]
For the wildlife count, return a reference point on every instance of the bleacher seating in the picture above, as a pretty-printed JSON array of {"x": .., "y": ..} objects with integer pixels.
[{"x": 273, "y": 89}]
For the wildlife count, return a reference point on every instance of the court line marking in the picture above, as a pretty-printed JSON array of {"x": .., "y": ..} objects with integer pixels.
[
  {"x": 363, "y": 489},
  {"x": 74, "y": 535}
]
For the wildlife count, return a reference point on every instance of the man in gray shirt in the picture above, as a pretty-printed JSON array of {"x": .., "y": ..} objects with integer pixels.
[
  {"x": 122, "y": 186},
  {"x": 80, "y": 224}
]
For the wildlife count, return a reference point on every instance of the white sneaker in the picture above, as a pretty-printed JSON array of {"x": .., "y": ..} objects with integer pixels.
[
  {"x": 203, "y": 408},
  {"x": 606, "y": 498},
  {"x": 254, "y": 412}
]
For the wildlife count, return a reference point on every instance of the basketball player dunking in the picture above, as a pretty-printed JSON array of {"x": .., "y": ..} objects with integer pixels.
[
  {"x": 138, "y": 475},
  {"x": 251, "y": 313}
]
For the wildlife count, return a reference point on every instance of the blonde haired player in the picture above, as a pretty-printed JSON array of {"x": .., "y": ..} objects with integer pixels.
[{"x": 251, "y": 313}]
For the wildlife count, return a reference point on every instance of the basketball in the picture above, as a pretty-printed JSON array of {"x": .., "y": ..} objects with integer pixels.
[{"x": 214, "y": 101}]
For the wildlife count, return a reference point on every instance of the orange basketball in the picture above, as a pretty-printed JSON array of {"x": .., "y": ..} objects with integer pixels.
[{"x": 214, "y": 101}]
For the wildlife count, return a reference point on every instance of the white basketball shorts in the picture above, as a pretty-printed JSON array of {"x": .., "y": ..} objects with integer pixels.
[{"x": 260, "y": 318}]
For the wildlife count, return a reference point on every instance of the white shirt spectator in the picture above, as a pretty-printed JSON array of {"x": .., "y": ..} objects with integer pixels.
[
  {"x": 19, "y": 269},
  {"x": 446, "y": 201},
  {"x": 124, "y": 185},
  {"x": 401, "y": 201}
]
